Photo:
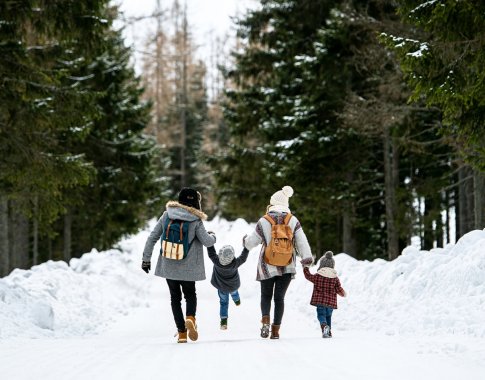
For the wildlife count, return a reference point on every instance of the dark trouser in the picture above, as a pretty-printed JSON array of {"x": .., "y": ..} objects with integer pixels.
[
  {"x": 279, "y": 284},
  {"x": 176, "y": 289}
]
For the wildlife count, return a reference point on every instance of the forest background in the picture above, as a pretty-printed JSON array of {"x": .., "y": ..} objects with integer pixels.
[{"x": 371, "y": 110}]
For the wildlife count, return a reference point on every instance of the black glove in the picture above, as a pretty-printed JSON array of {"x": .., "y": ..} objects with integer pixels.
[{"x": 146, "y": 266}]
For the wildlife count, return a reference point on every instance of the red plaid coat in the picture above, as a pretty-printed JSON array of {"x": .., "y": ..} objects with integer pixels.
[{"x": 325, "y": 289}]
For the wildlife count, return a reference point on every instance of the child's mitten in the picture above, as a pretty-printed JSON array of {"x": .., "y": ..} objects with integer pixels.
[{"x": 306, "y": 262}]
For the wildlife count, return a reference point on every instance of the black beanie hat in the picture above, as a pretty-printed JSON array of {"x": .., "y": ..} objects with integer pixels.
[{"x": 190, "y": 197}]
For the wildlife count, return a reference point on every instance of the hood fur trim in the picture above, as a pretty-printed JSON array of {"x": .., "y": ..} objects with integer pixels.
[
  {"x": 327, "y": 272},
  {"x": 192, "y": 210}
]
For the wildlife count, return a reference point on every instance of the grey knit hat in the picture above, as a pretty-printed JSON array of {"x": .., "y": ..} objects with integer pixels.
[
  {"x": 327, "y": 260},
  {"x": 226, "y": 255}
]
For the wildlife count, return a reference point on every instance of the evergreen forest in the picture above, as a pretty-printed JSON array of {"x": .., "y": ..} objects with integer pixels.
[{"x": 372, "y": 110}]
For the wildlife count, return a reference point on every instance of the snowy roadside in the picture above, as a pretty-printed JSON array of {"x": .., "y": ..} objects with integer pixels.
[
  {"x": 101, "y": 317},
  {"x": 425, "y": 293}
]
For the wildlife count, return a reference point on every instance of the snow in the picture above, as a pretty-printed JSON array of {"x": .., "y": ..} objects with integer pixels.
[
  {"x": 100, "y": 317},
  {"x": 423, "y": 47}
]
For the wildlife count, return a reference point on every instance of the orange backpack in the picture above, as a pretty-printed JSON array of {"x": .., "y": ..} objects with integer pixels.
[{"x": 279, "y": 250}]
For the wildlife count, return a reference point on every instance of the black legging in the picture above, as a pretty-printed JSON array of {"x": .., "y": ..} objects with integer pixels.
[
  {"x": 280, "y": 285},
  {"x": 176, "y": 289}
]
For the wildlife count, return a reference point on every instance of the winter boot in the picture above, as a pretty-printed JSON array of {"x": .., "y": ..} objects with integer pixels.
[
  {"x": 265, "y": 326},
  {"x": 237, "y": 302},
  {"x": 325, "y": 331},
  {"x": 182, "y": 337},
  {"x": 275, "y": 332},
  {"x": 191, "y": 328},
  {"x": 223, "y": 323}
]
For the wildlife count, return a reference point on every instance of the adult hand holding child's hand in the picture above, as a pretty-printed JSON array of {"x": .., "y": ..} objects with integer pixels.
[{"x": 306, "y": 262}]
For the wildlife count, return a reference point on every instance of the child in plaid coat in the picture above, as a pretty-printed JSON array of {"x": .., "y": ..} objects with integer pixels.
[{"x": 326, "y": 286}]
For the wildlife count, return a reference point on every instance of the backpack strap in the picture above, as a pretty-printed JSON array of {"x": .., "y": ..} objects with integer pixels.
[
  {"x": 269, "y": 219},
  {"x": 168, "y": 228},
  {"x": 287, "y": 218}
]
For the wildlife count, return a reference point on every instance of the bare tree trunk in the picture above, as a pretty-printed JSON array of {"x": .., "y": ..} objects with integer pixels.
[
  {"x": 183, "y": 110},
  {"x": 18, "y": 238},
  {"x": 462, "y": 203},
  {"x": 470, "y": 201},
  {"x": 390, "y": 178},
  {"x": 67, "y": 236},
  {"x": 49, "y": 249},
  {"x": 428, "y": 238},
  {"x": 478, "y": 193},
  {"x": 158, "y": 74},
  {"x": 35, "y": 226},
  {"x": 447, "y": 210},
  {"x": 4, "y": 238},
  {"x": 439, "y": 234},
  {"x": 349, "y": 242}
]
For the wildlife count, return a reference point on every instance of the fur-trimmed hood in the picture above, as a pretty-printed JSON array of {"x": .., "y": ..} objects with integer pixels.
[
  {"x": 187, "y": 212},
  {"x": 327, "y": 272}
]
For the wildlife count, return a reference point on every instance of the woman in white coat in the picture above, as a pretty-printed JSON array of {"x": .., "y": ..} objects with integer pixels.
[{"x": 275, "y": 279}]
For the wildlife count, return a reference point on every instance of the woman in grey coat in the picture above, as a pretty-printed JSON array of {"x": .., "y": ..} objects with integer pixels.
[{"x": 181, "y": 274}]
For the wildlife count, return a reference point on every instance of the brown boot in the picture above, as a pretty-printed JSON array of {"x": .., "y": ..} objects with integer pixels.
[
  {"x": 182, "y": 337},
  {"x": 191, "y": 328},
  {"x": 265, "y": 326},
  {"x": 275, "y": 332}
]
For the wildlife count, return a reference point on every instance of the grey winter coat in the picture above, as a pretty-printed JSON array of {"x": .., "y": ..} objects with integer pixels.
[
  {"x": 226, "y": 277},
  {"x": 192, "y": 267}
]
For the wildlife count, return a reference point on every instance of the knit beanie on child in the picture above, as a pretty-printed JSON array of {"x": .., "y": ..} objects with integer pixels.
[
  {"x": 226, "y": 255},
  {"x": 327, "y": 261},
  {"x": 281, "y": 197}
]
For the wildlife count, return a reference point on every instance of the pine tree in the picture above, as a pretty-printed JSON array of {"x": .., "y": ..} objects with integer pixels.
[
  {"x": 76, "y": 170},
  {"x": 175, "y": 83},
  {"x": 125, "y": 188},
  {"x": 445, "y": 64},
  {"x": 321, "y": 105},
  {"x": 39, "y": 104}
]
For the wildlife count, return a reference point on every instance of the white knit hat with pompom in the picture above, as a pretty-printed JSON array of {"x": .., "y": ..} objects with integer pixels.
[{"x": 281, "y": 197}]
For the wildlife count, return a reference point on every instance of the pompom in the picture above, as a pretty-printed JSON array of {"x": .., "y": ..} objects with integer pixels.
[
  {"x": 328, "y": 254},
  {"x": 288, "y": 191}
]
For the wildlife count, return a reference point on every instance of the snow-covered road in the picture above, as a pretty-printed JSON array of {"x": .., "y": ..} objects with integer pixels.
[{"x": 141, "y": 344}]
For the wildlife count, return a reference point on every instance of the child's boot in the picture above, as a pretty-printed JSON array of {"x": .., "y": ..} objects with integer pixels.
[
  {"x": 325, "y": 331},
  {"x": 275, "y": 332},
  {"x": 265, "y": 326},
  {"x": 223, "y": 323},
  {"x": 182, "y": 336},
  {"x": 237, "y": 302},
  {"x": 191, "y": 328}
]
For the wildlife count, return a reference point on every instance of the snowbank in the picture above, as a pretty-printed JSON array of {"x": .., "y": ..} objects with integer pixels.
[
  {"x": 441, "y": 291},
  {"x": 432, "y": 293},
  {"x": 55, "y": 299}
]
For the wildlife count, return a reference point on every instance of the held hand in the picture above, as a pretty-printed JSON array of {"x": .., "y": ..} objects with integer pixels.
[
  {"x": 146, "y": 266},
  {"x": 306, "y": 262},
  {"x": 244, "y": 240}
]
